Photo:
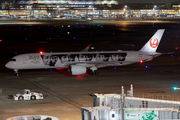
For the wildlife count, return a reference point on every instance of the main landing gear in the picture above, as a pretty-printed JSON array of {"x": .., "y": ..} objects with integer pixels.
[
  {"x": 16, "y": 72},
  {"x": 93, "y": 71}
]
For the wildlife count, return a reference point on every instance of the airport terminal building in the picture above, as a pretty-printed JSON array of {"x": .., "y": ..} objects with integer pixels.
[{"x": 90, "y": 8}]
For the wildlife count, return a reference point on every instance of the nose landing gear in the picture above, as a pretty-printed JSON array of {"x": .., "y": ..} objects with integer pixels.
[
  {"x": 16, "y": 72},
  {"x": 93, "y": 72}
]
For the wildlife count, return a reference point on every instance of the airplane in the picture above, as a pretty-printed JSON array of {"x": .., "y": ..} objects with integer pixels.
[{"x": 79, "y": 63}]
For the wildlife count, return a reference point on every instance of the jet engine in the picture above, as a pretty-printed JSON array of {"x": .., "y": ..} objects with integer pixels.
[{"x": 77, "y": 70}]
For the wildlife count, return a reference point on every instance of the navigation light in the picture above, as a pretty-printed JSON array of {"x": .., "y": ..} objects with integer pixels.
[
  {"x": 141, "y": 61},
  {"x": 174, "y": 88},
  {"x": 41, "y": 52}
]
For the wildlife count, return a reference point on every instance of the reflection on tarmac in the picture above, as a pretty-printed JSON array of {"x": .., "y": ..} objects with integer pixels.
[
  {"x": 61, "y": 21},
  {"x": 65, "y": 94}
]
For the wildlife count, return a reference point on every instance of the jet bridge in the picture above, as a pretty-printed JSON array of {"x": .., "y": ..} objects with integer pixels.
[
  {"x": 122, "y": 107},
  {"x": 107, "y": 113}
]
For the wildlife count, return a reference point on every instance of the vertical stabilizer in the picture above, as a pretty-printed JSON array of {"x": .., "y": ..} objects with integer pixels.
[{"x": 153, "y": 43}]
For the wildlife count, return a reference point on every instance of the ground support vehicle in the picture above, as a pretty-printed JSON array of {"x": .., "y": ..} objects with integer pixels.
[{"x": 27, "y": 95}]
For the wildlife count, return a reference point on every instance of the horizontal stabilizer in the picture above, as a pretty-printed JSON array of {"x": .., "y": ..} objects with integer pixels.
[{"x": 87, "y": 48}]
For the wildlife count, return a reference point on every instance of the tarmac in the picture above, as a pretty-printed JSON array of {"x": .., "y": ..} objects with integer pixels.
[
  {"x": 43, "y": 21},
  {"x": 64, "y": 94}
]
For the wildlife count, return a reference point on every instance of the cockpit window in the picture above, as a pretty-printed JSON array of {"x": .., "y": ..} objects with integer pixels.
[{"x": 13, "y": 60}]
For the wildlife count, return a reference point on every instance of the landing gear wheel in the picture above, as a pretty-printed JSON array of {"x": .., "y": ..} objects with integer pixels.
[
  {"x": 21, "y": 98},
  {"x": 93, "y": 73},
  {"x": 33, "y": 97},
  {"x": 90, "y": 73},
  {"x": 96, "y": 73}
]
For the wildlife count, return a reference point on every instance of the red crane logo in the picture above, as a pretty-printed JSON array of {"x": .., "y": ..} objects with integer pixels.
[{"x": 153, "y": 42}]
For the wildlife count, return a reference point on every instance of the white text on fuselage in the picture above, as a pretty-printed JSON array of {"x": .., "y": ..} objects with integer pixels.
[
  {"x": 96, "y": 57},
  {"x": 34, "y": 58}
]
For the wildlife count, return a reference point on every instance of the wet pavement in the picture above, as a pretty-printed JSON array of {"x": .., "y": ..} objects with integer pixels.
[{"x": 65, "y": 94}]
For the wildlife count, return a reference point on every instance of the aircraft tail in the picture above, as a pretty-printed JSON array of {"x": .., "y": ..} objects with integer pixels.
[{"x": 153, "y": 43}]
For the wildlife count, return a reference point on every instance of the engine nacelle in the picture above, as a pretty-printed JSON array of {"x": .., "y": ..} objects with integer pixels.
[{"x": 77, "y": 70}]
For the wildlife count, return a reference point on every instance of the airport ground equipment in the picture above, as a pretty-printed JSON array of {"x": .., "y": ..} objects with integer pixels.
[
  {"x": 89, "y": 19},
  {"x": 128, "y": 107},
  {"x": 27, "y": 95},
  {"x": 33, "y": 117}
]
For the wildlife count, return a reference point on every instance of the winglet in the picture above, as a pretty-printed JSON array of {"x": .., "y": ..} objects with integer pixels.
[{"x": 87, "y": 48}]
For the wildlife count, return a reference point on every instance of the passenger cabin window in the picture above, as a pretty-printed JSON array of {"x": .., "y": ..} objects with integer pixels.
[{"x": 13, "y": 60}]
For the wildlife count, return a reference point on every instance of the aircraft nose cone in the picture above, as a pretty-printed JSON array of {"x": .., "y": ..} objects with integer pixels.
[{"x": 7, "y": 65}]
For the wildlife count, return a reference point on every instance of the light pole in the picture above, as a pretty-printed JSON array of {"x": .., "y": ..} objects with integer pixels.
[
  {"x": 93, "y": 13},
  {"x": 122, "y": 103},
  {"x": 154, "y": 10},
  {"x": 30, "y": 12},
  {"x": 124, "y": 12},
  {"x": 26, "y": 12},
  {"x": 57, "y": 10}
]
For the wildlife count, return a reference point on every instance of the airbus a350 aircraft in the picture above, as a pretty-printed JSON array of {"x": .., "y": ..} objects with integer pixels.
[{"x": 79, "y": 62}]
